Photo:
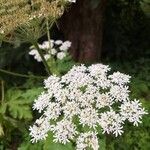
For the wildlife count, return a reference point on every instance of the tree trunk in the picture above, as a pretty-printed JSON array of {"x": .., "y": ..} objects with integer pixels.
[{"x": 83, "y": 26}]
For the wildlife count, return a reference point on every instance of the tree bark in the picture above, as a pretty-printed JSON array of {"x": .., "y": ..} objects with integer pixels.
[{"x": 83, "y": 26}]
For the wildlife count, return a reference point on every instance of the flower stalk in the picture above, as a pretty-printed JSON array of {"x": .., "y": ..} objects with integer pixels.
[{"x": 42, "y": 57}]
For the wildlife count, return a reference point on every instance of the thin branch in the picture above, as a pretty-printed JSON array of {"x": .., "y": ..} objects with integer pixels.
[
  {"x": 42, "y": 57},
  {"x": 48, "y": 34},
  {"x": 21, "y": 75}
]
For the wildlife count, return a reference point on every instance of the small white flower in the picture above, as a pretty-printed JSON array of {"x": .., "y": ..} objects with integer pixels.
[
  {"x": 111, "y": 122},
  {"x": 119, "y": 93},
  {"x": 33, "y": 52},
  {"x": 39, "y": 130},
  {"x": 87, "y": 140},
  {"x": 47, "y": 44},
  {"x": 103, "y": 100},
  {"x": 58, "y": 42},
  {"x": 65, "y": 46},
  {"x": 51, "y": 82},
  {"x": 61, "y": 55},
  {"x": 63, "y": 131},
  {"x": 119, "y": 78},
  {"x": 53, "y": 111},
  {"x": 71, "y": 109},
  {"x": 47, "y": 56},
  {"x": 89, "y": 116},
  {"x": 36, "y": 55},
  {"x": 42, "y": 101},
  {"x": 97, "y": 70},
  {"x": 133, "y": 111},
  {"x": 53, "y": 51}
]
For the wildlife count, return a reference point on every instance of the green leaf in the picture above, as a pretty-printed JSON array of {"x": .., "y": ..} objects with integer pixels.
[
  {"x": 19, "y": 102},
  {"x": 19, "y": 110}
]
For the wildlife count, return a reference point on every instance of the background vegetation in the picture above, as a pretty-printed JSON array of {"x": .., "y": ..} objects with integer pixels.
[{"x": 125, "y": 47}]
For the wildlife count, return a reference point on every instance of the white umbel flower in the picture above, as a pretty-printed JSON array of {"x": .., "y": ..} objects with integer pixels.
[
  {"x": 56, "y": 49},
  {"x": 87, "y": 98}
]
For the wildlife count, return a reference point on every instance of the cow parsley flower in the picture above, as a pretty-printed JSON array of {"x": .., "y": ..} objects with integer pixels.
[
  {"x": 84, "y": 102},
  {"x": 56, "y": 49}
]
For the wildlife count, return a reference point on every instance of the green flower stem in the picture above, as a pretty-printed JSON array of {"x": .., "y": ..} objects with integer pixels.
[
  {"x": 42, "y": 57},
  {"x": 48, "y": 34},
  {"x": 21, "y": 75}
]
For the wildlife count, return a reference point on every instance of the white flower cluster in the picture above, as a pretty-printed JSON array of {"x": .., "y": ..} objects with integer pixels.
[
  {"x": 82, "y": 102},
  {"x": 57, "y": 49}
]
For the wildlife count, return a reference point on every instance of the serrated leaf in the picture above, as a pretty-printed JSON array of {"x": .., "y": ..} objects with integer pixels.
[
  {"x": 30, "y": 95},
  {"x": 13, "y": 94},
  {"x": 19, "y": 110}
]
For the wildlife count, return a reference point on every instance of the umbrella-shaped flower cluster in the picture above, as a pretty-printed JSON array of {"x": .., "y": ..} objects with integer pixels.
[
  {"x": 56, "y": 49},
  {"x": 83, "y": 102}
]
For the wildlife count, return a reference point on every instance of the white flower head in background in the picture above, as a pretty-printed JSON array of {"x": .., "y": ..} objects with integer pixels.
[
  {"x": 56, "y": 49},
  {"x": 76, "y": 106}
]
